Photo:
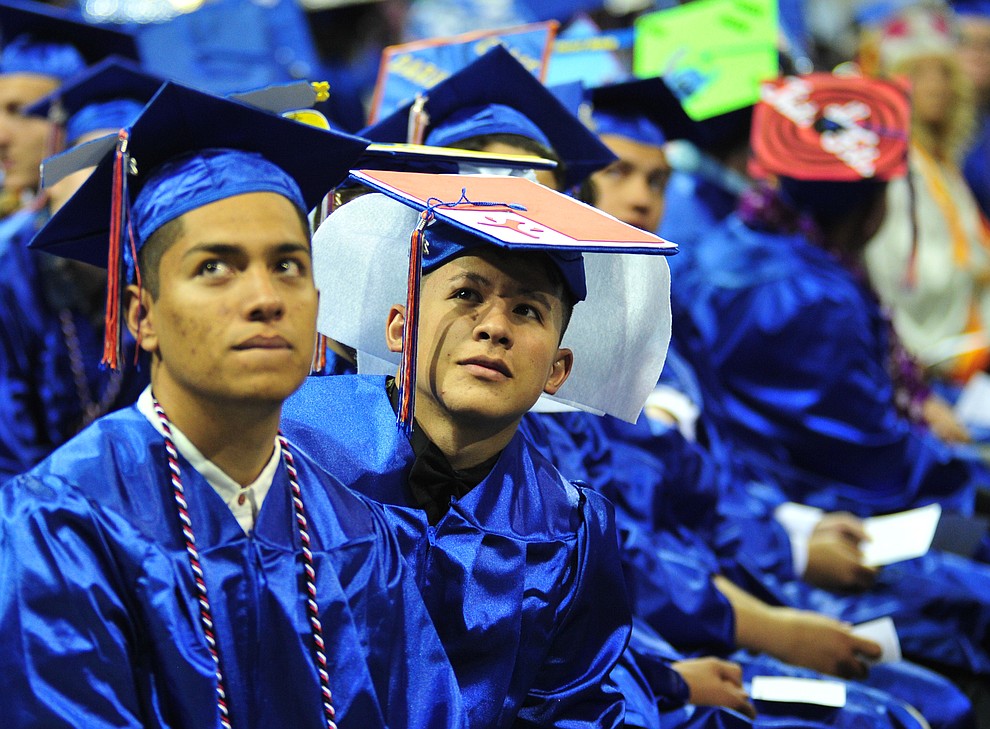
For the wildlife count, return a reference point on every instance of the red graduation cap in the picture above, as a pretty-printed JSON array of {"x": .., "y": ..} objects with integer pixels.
[{"x": 832, "y": 128}]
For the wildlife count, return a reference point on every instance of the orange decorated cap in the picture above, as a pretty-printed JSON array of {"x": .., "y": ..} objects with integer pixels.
[{"x": 830, "y": 128}]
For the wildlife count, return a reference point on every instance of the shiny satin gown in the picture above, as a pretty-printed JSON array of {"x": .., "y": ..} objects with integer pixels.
[
  {"x": 99, "y": 618},
  {"x": 40, "y": 404},
  {"x": 520, "y": 575}
]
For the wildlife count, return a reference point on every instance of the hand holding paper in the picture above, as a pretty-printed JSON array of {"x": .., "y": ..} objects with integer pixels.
[{"x": 902, "y": 536}]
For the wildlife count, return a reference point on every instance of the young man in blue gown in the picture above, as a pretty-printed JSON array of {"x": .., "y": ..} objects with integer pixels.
[
  {"x": 516, "y": 564},
  {"x": 179, "y": 563}
]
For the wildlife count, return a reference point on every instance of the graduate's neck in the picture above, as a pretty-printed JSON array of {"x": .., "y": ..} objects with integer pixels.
[
  {"x": 466, "y": 442},
  {"x": 238, "y": 437}
]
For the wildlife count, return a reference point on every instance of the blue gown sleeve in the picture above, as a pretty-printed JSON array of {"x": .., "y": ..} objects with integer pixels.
[
  {"x": 657, "y": 551},
  {"x": 572, "y": 689},
  {"x": 62, "y": 667}
]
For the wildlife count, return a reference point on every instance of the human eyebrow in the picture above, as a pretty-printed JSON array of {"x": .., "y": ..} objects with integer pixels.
[
  {"x": 475, "y": 278},
  {"x": 292, "y": 247},
  {"x": 540, "y": 297},
  {"x": 214, "y": 249}
]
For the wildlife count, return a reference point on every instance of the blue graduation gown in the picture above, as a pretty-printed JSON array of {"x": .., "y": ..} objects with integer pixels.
[
  {"x": 976, "y": 166},
  {"x": 692, "y": 207},
  {"x": 39, "y": 406},
  {"x": 519, "y": 575},
  {"x": 666, "y": 492},
  {"x": 800, "y": 351},
  {"x": 99, "y": 620}
]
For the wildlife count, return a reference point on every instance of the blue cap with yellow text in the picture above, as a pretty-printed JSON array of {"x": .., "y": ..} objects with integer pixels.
[{"x": 496, "y": 94}]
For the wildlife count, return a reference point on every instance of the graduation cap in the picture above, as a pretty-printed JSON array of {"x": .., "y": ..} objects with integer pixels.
[
  {"x": 445, "y": 160},
  {"x": 824, "y": 127},
  {"x": 495, "y": 94},
  {"x": 619, "y": 331},
  {"x": 978, "y": 8},
  {"x": 916, "y": 31},
  {"x": 643, "y": 110},
  {"x": 186, "y": 149},
  {"x": 107, "y": 95},
  {"x": 39, "y": 38}
]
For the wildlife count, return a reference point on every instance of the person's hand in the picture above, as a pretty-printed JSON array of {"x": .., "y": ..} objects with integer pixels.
[
  {"x": 942, "y": 420},
  {"x": 835, "y": 560},
  {"x": 714, "y": 682},
  {"x": 821, "y": 643}
]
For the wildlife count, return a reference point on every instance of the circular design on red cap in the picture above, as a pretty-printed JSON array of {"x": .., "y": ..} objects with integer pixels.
[{"x": 831, "y": 128}]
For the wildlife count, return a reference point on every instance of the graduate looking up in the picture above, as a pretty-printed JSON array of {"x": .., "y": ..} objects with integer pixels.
[
  {"x": 200, "y": 570},
  {"x": 43, "y": 47},
  {"x": 518, "y": 567}
]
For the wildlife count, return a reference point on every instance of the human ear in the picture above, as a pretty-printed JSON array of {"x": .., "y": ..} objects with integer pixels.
[
  {"x": 559, "y": 371},
  {"x": 140, "y": 321},
  {"x": 393, "y": 327}
]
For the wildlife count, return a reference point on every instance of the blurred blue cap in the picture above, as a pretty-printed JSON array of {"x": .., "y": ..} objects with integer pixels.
[
  {"x": 42, "y": 39},
  {"x": 106, "y": 96},
  {"x": 978, "y": 8},
  {"x": 497, "y": 79},
  {"x": 476, "y": 121},
  {"x": 643, "y": 110}
]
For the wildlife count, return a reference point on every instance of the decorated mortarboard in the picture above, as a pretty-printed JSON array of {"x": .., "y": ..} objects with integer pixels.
[
  {"x": 496, "y": 94},
  {"x": 623, "y": 314},
  {"x": 644, "y": 110},
  {"x": 39, "y": 38},
  {"x": 824, "y": 127},
  {"x": 107, "y": 95},
  {"x": 186, "y": 149},
  {"x": 712, "y": 53}
]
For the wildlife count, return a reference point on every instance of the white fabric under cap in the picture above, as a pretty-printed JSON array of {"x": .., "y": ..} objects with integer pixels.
[{"x": 619, "y": 335}]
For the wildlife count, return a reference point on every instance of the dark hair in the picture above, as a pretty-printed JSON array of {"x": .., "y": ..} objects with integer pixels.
[
  {"x": 150, "y": 255},
  {"x": 826, "y": 201},
  {"x": 530, "y": 146}
]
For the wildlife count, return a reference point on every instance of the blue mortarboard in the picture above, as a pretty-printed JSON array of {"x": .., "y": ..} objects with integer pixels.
[
  {"x": 979, "y": 8},
  {"x": 497, "y": 78},
  {"x": 475, "y": 121},
  {"x": 39, "y": 38},
  {"x": 449, "y": 215},
  {"x": 444, "y": 160},
  {"x": 185, "y": 150},
  {"x": 107, "y": 95},
  {"x": 445, "y": 242},
  {"x": 644, "y": 110}
]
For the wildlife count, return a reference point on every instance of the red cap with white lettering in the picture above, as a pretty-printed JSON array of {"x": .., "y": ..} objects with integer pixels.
[{"x": 827, "y": 127}]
